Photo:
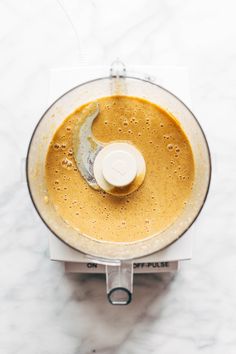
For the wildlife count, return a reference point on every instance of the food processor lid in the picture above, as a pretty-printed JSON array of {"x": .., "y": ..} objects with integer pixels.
[{"x": 105, "y": 157}]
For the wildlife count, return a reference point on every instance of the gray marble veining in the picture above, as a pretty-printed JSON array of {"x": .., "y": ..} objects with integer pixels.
[{"x": 43, "y": 311}]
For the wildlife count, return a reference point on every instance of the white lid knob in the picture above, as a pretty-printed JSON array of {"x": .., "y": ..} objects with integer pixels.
[
  {"x": 119, "y": 168},
  {"x": 119, "y": 164}
]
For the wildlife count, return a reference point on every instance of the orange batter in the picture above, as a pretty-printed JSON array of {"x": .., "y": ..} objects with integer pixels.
[{"x": 166, "y": 187}]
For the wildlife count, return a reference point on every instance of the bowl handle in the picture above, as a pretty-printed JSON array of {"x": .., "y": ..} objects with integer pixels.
[{"x": 119, "y": 280}]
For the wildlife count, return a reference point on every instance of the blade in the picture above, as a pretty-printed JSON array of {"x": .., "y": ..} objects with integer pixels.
[{"x": 85, "y": 146}]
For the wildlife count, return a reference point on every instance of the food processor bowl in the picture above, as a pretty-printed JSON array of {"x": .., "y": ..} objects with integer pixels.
[{"x": 114, "y": 253}]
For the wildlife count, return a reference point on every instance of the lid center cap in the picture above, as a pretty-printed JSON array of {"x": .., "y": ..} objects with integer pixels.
[{"x": 119, "y": 168}]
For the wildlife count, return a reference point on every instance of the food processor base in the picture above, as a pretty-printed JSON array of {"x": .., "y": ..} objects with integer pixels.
[{"x": 166, "y": 260}]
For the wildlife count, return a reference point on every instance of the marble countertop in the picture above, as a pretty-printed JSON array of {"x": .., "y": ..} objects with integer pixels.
[{"x": 44, "y": 311}]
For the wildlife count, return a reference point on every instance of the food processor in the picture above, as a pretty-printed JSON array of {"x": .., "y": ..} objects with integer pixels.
[{"x": 117, "y": 257}]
